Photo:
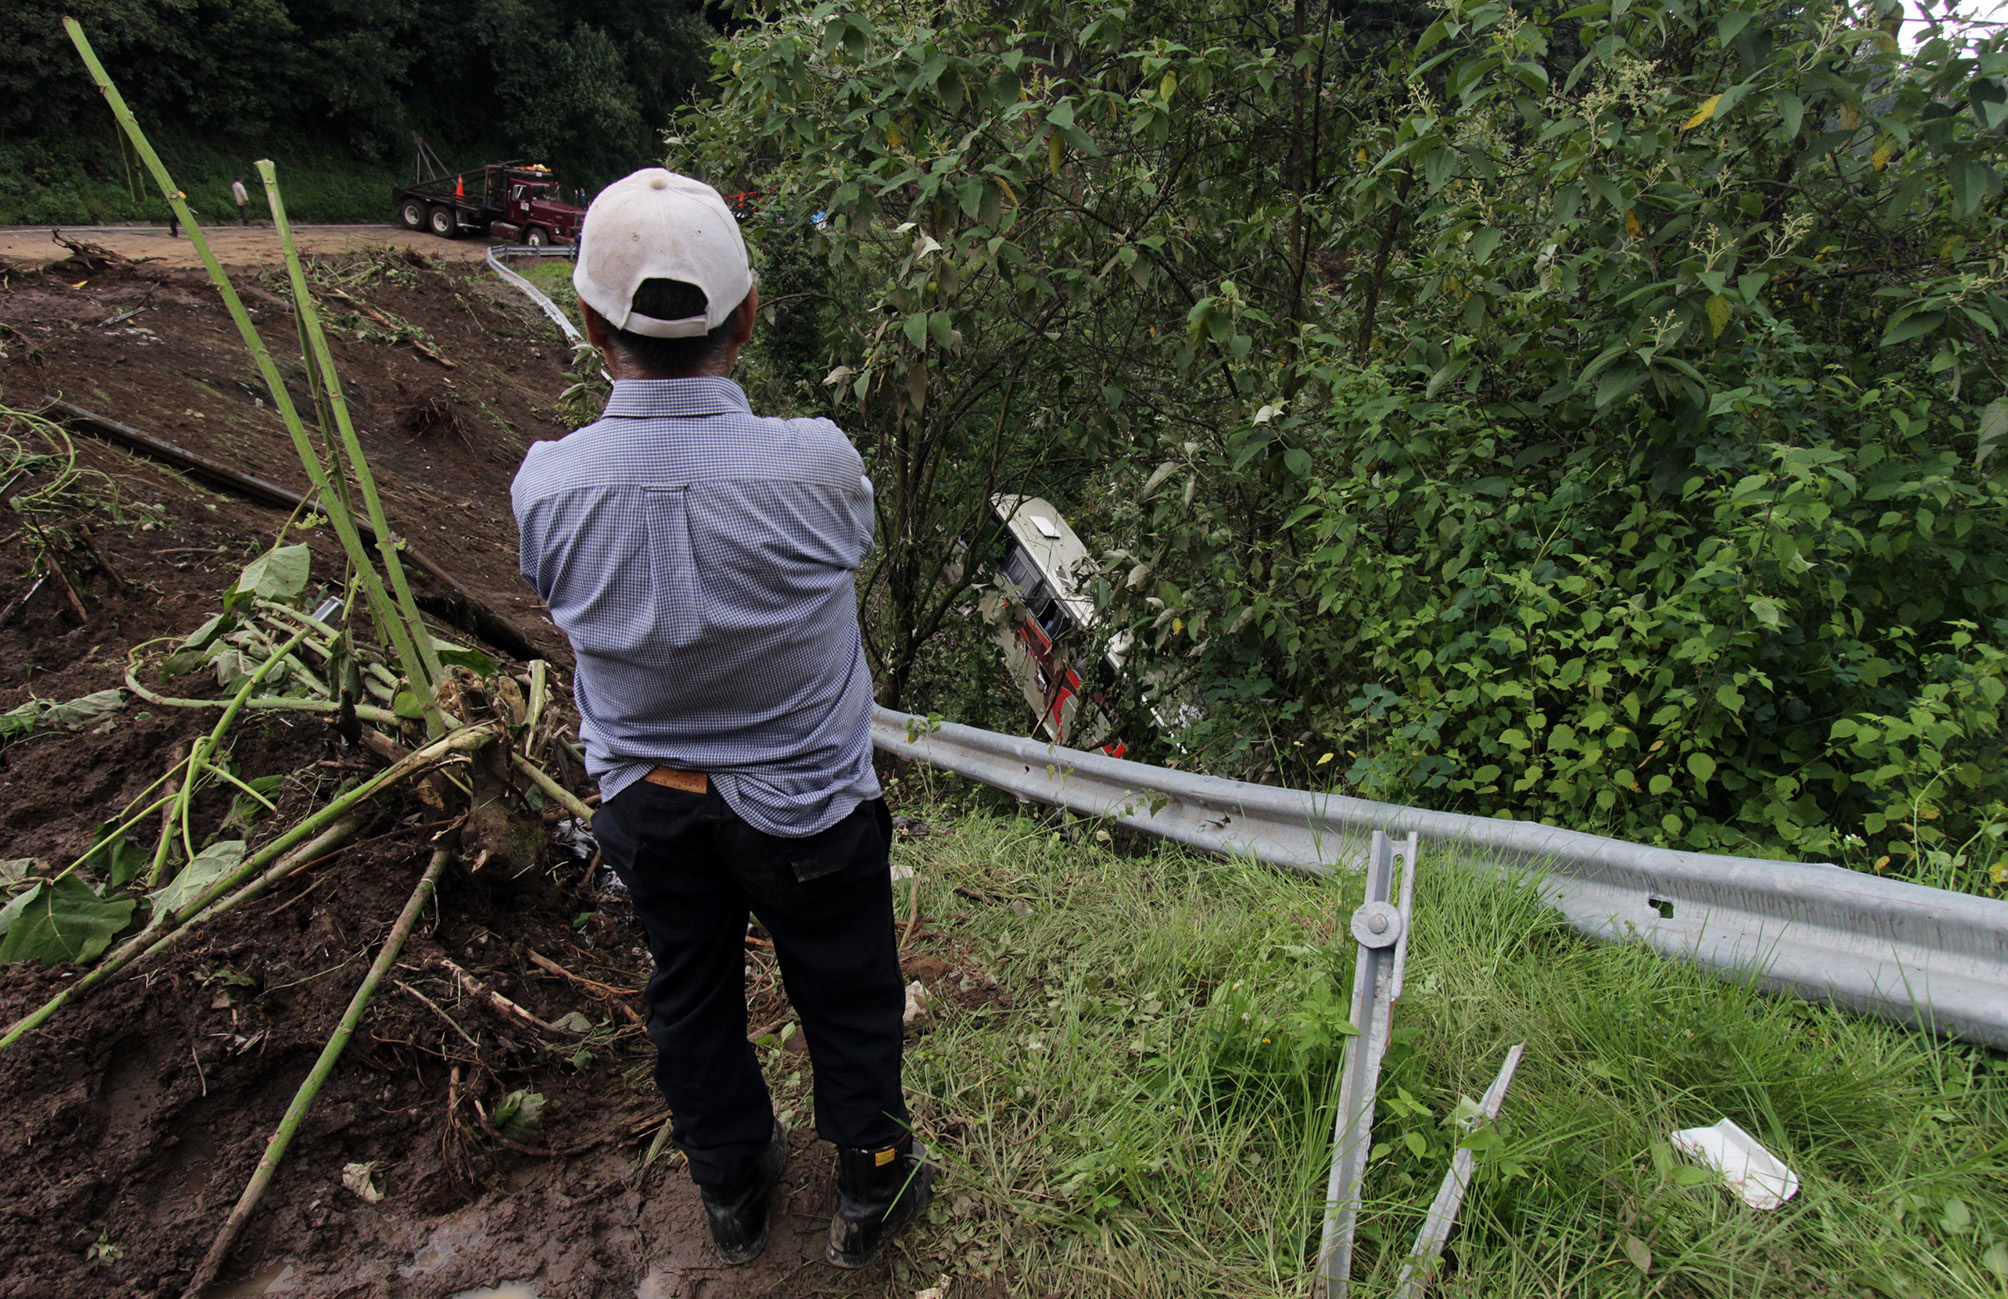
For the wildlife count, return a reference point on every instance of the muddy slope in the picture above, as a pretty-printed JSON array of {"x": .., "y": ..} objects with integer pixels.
[{"x": 136, "y": 1116}]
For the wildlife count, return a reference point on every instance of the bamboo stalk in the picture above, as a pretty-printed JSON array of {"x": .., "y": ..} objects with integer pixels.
[
  {"x": 279, "y": 703},
  {"x": 305, "y": 855},
  {"x": 533, "y": 713},
  {"x": 500, "y": 1002},
  {"x": 303, "y": 1100},
  {"x": 138, "y": 945},
  {"x": 358, "y": 463},
  {"x": 166, "y": 840},
  {"x": 300, "y": 671},
  {"x": 291, "y": 614},
  {"x": 548, "y": 965},
  {"x": 199, "y": 755},
  {"x": 330, "y": 501},
  {"x": 544, "y": 781}
]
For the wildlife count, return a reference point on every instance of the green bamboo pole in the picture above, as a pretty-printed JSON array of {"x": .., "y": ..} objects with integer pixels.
[
  {"x": 543, "y": 781},
  {"x": 358, "y": 464},
  {"x": 446, "y": 746},
  {"x": 303, "y": 1100},
  {"x": 313, "y": 849},
  {"x": 338, "y": 516},
  {"x": 540, "y": 693},
  {"x": 205, "y": 748},
  {"x": 269, "y": 703},
  {"x": 318, "y": 392}
]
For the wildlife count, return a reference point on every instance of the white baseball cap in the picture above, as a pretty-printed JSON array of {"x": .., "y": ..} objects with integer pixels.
[{"x": 657, "y": 225}]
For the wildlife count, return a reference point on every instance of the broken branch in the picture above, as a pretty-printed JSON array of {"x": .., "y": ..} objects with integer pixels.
[{"x": 497, "y": 1000}]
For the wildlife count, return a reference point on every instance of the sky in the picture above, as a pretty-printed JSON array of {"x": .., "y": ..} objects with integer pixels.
[{"x": 1977, "y": 11}]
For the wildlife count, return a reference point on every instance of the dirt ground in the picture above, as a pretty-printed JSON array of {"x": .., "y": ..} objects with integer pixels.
[
  {"x": 235, "y": 245},
  {"x": 140, "y": 1112}
]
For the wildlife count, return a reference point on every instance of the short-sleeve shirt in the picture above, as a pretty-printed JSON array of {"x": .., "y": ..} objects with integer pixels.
[{"x": 701, "y": 560}]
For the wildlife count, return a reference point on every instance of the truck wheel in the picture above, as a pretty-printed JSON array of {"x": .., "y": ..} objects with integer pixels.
[
  {"x": 444, "y": 224},
  {"x": 411, "y": 214},
  {"x": 535, "y": 237}
]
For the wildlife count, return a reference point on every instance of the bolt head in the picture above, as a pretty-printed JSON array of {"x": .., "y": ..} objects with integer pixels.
[{"x": 1377, "y": 923}]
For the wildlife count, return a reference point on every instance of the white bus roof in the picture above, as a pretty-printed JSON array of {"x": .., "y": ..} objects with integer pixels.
[{"x": 1053, "y": 546}]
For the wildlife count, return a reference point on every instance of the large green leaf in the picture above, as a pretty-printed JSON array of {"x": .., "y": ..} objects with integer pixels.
[
  {"x": 1905, "y": 328},
  {"x": 17, "y": 904},
  {"x": 278, "y": 574},
  {"x": 210, "y": 865},
  {"x": 482, "y": 665},
  {"x": 1973, "y": 183},
  {"x": 86, "y": 710},
  {"x": 64, "y": 922},
  {"x": 22, "y": 719},
  {"x": 1993, "y": 428},
  {"x": 115, "y": 857},
  {"x": 194, "y": 651}
]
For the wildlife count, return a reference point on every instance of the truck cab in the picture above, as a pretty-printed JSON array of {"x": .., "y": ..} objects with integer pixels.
[{"x": 534, "y": 211}]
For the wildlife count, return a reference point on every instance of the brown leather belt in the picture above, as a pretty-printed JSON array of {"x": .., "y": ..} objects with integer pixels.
[{"x": 690, "y": 782}]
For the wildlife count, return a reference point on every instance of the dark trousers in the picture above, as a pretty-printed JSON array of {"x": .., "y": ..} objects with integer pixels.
[{"x": 695, "y": 870}]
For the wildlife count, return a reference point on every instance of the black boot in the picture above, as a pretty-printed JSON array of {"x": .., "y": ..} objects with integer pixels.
[
  {"x": 739, "y": 1218},
  {"x": 878, "y": 1193}
]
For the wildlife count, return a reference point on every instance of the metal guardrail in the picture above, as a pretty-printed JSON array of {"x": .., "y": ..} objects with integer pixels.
[
  {"x": 536, "y": 295},
  {"x": 1921, "y": 956}
]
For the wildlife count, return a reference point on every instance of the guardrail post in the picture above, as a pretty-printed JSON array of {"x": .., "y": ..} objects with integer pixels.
[
  {"x": 1381, "y": 927},
  {"x": 1422, "y": 1259}
]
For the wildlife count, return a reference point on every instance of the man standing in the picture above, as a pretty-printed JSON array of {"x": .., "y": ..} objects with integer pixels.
[
  {"x": 243, "y": 197},
  {"x": 700, "y": 559}
]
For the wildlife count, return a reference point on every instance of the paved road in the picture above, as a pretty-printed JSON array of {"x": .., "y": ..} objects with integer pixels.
[{"x": 235, "y": 245}]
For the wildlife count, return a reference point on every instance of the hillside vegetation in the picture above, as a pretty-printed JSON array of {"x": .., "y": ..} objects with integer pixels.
[
  {"x": 1593, "y": 416},
  {"x": 333, "y": 92}
]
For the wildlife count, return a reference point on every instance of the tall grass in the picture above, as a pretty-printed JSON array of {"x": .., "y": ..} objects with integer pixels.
[
  {"x": 554, "y": 279},
  {"x": 78, "y": 181},
  {"x": 1153, "y": 1114}
]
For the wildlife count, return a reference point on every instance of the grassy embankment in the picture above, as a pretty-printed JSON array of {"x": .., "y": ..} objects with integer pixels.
[
  {"x": 1153, "y": 1116},
  {"x": 79, "y": 182},
  {"x": 553, "y": 278}
]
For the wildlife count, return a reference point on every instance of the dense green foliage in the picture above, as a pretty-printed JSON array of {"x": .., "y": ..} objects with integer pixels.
[
  {"x": 334, "y": 91},
  {"x": 1589, "y": 416}
]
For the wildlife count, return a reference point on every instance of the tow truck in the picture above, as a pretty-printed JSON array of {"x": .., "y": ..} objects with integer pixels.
[{"x": 517, "y": 200}]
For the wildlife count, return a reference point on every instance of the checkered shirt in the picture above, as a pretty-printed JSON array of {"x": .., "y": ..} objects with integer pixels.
[{"x": 700, "y": 558}]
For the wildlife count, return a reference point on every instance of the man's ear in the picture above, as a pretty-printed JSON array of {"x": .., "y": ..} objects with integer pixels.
[
  {"x": 597, "y": 332},
  {"x": 742, "y": 321},
  {"x": 601, "y": 335}
]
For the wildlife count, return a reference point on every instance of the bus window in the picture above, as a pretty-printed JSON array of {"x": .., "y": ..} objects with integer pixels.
[
  {"x": 1021, "y": 571},
  {"x": 1053, "y": 619}
]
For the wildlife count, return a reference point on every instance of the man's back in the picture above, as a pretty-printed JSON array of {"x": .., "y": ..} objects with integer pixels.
[{"x": 701, "y": 561}]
